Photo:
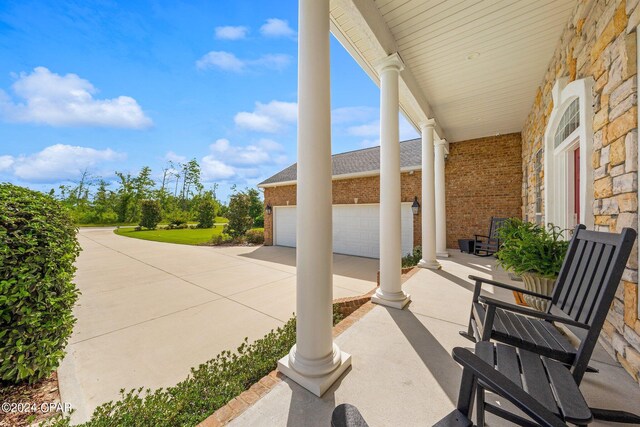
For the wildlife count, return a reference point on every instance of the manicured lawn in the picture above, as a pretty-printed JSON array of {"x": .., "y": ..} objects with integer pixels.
[{"x": 185, "y": 236}]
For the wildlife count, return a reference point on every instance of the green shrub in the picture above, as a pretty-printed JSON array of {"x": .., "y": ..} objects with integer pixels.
[
  {"x": 255, "y": 236},
  {"x": 259, "y": 221},
  {"x": 38, "y": 247},
  {"x": 220, "y": 239},
  {"x": 239, "y": 218},
  {"x": 177, "y": 218},
  {"x": 530, "y": 248},
  {"x": 206, "y": 213},
  {"x": 412, "y": 259},
  {"x": 150, "y": 214}
]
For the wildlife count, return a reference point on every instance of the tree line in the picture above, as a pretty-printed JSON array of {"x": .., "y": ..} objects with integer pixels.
[{"x": 179, "y": 192}]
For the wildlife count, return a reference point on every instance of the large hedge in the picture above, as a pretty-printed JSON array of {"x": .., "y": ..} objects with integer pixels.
[{"x": 38, "y": 247}]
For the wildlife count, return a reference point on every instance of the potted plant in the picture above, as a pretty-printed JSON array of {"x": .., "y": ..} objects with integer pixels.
[{"x": 534, "y": 253}]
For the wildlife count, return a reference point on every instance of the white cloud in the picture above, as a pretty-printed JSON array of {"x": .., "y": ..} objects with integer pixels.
[
  {"x": 57, "y": 162},
  {"x": 227, "y": 161},
  {"x": 229, "y": 32},
  {"x": 227, "y": 61},
  {"x": 173, "y": 157},
  {"x": 68, "y": 100},
  {"x": 275, "y": 27},
  {"x": 367, "y": 129},
  {"x": 219, "y": 59},
  {"x": 270, "y": 118},
  {"x": 6, "y": 162}
]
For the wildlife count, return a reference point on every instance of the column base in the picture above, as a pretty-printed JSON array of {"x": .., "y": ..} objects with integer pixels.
[
  {"x": 444, "y": 254},
  {"x": 431, "y": 265},
  {"x": 316, "y": 385},
  {"x": 398, "y": 300}
]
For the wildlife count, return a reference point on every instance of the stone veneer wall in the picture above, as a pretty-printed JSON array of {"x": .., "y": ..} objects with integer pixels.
[
  {"x": 483, "y": 179},
  {"x": 599, "y": 41}
]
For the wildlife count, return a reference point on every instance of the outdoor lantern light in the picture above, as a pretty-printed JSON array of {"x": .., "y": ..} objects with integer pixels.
[
  {"x": 415, "y": 207},
  {"x": 268, "y": 209}
]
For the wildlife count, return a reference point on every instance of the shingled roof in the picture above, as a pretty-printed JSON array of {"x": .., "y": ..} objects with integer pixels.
[{"x": 358, "y": 161}]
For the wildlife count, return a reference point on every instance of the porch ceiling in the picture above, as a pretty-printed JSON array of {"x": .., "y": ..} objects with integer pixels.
[{"x": 510, "y": 44}]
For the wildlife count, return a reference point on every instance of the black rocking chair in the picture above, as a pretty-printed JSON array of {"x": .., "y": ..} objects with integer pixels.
[
  {"x": 488, "y": 245},
  {"x": 583, "y": 293}
]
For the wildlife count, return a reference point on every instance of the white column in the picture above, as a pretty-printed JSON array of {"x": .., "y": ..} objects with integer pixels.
[
  {"x": 314, "y": 362},
  {"x": 428, "y": 198},
  {"x": 390, "y": 291},
  {"x": 441, "y": 208}
]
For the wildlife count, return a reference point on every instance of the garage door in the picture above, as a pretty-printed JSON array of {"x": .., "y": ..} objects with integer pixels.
[{"x": 356, "y": 229}]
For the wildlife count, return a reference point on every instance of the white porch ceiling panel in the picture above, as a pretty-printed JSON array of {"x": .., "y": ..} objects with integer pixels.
[{"x": 477, "y": 63}]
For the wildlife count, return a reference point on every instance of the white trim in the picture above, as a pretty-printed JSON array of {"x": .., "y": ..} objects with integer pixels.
[
  {"x": 342, "y": 176},
  {"x": 556, "y": 203}
]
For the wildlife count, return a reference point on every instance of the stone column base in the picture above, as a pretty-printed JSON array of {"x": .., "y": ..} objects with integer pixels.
[
  {"x": 431, "y": 265},
  {"x": 316, "y": 385}
]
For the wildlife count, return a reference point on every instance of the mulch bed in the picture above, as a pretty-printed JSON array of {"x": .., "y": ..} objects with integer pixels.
[{"x": 37, "y": 397}]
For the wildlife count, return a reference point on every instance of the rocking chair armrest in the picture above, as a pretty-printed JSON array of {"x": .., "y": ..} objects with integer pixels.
[
  {"x": 506, "y": 388},
  {"x": 492, "y": 302},
  {"x": 480, "y": 280},
  {"x": 480, "y": 235}
]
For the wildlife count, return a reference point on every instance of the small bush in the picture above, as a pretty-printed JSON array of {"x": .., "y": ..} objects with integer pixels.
[
  {"x": 239, "y": 218},
  {"x": 412, "y": 259},
  {"x": 177, "y": 226},
  {"x": 177, "y": 218},
  {"x": 150, "y": 214},
  {"x": 206, "y": 213},
  {"x": 255, "y": 236},
  {"x": 220, "y": 239},
  {"x": 38, "y": 247}
]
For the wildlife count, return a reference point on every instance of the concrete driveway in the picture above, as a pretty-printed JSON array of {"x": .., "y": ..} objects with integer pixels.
[{"x": 150, "y": 311}]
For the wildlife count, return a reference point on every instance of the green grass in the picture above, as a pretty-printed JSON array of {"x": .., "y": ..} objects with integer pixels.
[
  {"x": 186, "y": 236},
  {"x": 220, "y": 219}
]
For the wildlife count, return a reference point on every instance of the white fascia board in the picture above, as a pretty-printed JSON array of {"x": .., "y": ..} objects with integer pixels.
[
  {"x": 342, "y": 176},
  {"x": 372, "y": 27}
]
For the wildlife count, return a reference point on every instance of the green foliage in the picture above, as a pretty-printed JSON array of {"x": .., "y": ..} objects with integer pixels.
[
  {"x": 239, "y": 215},
  {"x": 220, "y": 239},
  {"x": 255, "y": 236},
  {"x": 150, "y": 214},
  {"x": 529, "y": 248},
  {"x": 38, "y": 247},
  {"x": 412, "y": 259},
  {"x": 177, "y": 218},
  {"x": 206, "y": 211}
]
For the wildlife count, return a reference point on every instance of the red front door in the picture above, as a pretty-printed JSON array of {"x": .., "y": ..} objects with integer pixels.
[{"x": 576, "y": 184}]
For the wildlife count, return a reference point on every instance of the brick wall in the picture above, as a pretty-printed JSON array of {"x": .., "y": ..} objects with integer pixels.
[
  {"x": 483, "y": 179},
  {"x": 599, "y": 41},
  {"x": 474, "y": 193}
]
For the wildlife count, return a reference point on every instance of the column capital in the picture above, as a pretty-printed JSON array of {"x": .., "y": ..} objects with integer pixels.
[
  {"x": 392, "y": 61},
  {"x": 442, "y": 143},
  {"x": 428, "y": 123}
]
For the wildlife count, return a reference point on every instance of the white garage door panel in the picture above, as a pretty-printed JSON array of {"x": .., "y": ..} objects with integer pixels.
[
  {"x": 356, "y": 229},
  {"x": 284, "y": 221}
]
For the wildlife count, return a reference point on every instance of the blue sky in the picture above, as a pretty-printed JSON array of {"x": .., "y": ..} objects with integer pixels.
[{"x": 113, "y": 86}]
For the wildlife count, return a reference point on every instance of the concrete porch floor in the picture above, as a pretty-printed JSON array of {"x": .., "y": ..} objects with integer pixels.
[{"x": 403, "y": 373}]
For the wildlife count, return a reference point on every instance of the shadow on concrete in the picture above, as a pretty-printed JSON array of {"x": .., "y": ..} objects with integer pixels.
[
  {"x": 306, "y": 409},
  {"x": 438, "y": 360},
  {"x": 343, "y": 265},
  {"x": 455, "y": 279}
]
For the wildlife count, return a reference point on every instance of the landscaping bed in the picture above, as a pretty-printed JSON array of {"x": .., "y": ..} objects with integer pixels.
[{"x": 37, "y": 402}]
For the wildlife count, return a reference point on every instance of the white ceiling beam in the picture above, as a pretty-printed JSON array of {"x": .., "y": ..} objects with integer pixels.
[{"x": 366, "y": 17}]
